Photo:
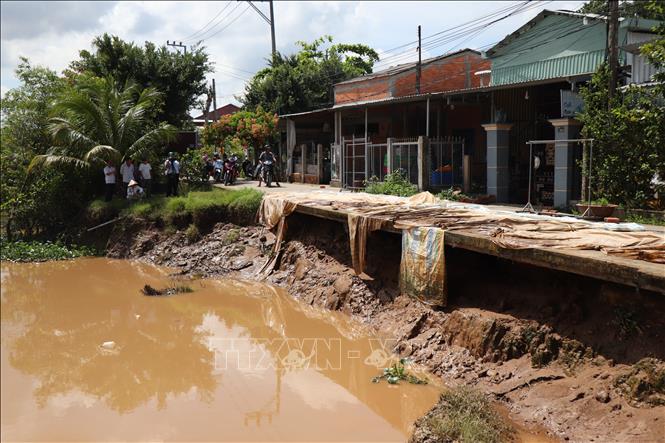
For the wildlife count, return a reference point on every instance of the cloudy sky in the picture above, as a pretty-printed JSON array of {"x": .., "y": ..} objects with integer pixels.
[{"x": 238, "y": 39}]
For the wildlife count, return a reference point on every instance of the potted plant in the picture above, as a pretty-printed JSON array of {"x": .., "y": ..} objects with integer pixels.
[{"x": 598, "y": 208}]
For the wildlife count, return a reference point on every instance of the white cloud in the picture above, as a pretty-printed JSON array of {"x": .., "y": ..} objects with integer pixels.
[{"x": 52, "y": 33}]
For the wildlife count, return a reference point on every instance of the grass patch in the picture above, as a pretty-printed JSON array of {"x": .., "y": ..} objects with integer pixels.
[
  {"x": 465, "y": 415},
  {"x": 201, "y": 208},
  {"x": 645, "y": 382},
  {"x": 34, "y": 251},
  {"x": 644, "y": 220}
]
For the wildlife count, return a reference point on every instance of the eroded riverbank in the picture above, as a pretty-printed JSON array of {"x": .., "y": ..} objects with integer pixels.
[
  {"x": 561, "y": 352},
  {"x": 87, "y": 357}
]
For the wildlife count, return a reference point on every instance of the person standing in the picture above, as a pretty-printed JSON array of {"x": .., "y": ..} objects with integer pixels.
[
  {"x": 109, "y": 179},
  {"x": 172, "y": 172},
  {"x": 145, "y": 176},
  {"x": 127, "y": 171}
]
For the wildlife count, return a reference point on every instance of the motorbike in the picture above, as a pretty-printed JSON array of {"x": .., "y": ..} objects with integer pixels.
[
  {"x": 247, "y": 169},
  {"x": 267, "y": 172},
  {"x": 230, "y": 170},
  {"x": 217, "y": 174}
]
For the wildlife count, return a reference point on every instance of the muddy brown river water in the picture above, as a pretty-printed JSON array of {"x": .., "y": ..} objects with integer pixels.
[{"x": 87, "y": 357}]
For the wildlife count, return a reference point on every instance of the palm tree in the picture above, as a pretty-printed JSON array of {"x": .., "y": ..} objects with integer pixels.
[{"x": 97, "y": 121}]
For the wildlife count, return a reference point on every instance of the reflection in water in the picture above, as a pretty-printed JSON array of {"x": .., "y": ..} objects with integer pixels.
[{"x": 230, "y": 361}]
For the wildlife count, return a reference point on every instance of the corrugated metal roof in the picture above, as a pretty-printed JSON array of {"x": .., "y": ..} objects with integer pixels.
[
  {"x": 421, "y": 97},
  {"x": 314, "y": 111},
  {"x": 578, "y": 64},
  {"x": 632, "y": 23}
]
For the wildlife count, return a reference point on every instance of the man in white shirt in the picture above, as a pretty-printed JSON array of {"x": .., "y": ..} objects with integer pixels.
[
  {"x": 145, "y": 176},
  {"x": 109, "y": 179},
  {"x": 172, "y": 172},
  {"x": 127, "y": 171}
]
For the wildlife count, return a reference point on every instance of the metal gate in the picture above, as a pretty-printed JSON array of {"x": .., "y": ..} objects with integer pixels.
[
  {"x": 377, "y": 160},
  {"x": 354, "y": 165},
  {"x": 405, "y": 158},
  {"x": 446, "y": 160}
]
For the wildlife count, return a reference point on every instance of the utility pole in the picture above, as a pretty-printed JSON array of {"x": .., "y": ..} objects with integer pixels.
[
  {"x": 270, "y": 21},
  {"x": 419, "y": 63},
  {"x": 272, "y": 30},
  {"x": 176, "y": 44},
  {"x": 613, "y": 45},
  {"x": 214, "y": 100}
]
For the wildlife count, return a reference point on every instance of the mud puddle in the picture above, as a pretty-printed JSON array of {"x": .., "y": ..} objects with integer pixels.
[{"x": 87, "y": 357}]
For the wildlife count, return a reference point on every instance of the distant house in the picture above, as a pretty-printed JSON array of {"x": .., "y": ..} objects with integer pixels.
[{"x": 215, "y": 114}]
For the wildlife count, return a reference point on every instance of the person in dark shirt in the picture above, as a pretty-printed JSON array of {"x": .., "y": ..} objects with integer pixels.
[{"x": 267, "y": 155}]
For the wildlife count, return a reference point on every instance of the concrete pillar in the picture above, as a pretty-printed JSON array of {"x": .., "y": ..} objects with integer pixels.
[
  {"x": 564, "y": 159},
  {"x": 423, "y": 163},
  {"x": 290, "y": 147},
  {"x": 498, "y": 158},
  {"x": 466, "y": 173},
  {"x": 303, "y": 159},
  {"x": 319, "y": 163},
  {"x": 389, "y": 148}
]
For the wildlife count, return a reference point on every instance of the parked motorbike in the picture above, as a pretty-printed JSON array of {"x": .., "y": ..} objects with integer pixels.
[
  {"x": 230, "y": 170},
  {"x": 217, "y": 175},
  {"x": 247, "y": 169}
]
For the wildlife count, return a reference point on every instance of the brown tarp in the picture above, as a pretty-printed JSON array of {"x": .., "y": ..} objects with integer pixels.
[
  {"x": 273, "y": 213},
  {"x": 359, "y": 227},
  {"x": 506, "y": 229}
]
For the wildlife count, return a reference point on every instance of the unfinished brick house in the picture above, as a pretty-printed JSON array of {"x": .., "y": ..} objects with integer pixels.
[{"x": 372, "y": 111}]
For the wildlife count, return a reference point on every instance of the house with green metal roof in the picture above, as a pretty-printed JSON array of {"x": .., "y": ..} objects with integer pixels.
[
  {"x": 561, "y": 44},
  {"x": 535, "y": 74}
]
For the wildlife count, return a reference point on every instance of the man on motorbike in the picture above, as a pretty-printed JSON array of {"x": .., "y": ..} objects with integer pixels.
[
  {"x": 267, "y": 156},
  {"x": 230, "y": 169}
]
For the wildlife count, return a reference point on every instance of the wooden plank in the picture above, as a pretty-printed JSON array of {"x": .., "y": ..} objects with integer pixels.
[{"x": 595, "y": 264}]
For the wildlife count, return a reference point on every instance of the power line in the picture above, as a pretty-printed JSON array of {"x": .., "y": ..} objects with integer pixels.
[
  {"x": 207, "y": 24},
  {"x": 461, "y": 31},
  {"x": 228, "y": 24},
  {"x": 444, "y": 34},
  {"x": 502, "y": 10},
  {"x": 202, "y": 37}
]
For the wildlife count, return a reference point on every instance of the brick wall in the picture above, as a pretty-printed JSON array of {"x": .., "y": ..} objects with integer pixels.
[{"x": 446, "y": 74}]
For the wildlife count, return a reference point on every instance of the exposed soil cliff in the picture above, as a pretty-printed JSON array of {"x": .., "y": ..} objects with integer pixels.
[{"x": 562, "y": 352}]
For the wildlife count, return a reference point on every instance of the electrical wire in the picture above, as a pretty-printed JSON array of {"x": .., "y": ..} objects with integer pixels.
[
  {"x": 462, "y": 31},
  {"x": 207, "y": 24},
  {"x": 202, "y": 37},
  {"x": 228, "y": 24}
]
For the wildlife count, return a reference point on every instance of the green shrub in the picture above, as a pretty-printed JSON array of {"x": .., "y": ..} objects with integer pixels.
[
  {"x": 452, "y": 194},
  {"x": 192, "y": 233},
  {"x": 465, "y": 415},
  {"x": 393, "y": 184},
  {"x": 22, "y": 251}
]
